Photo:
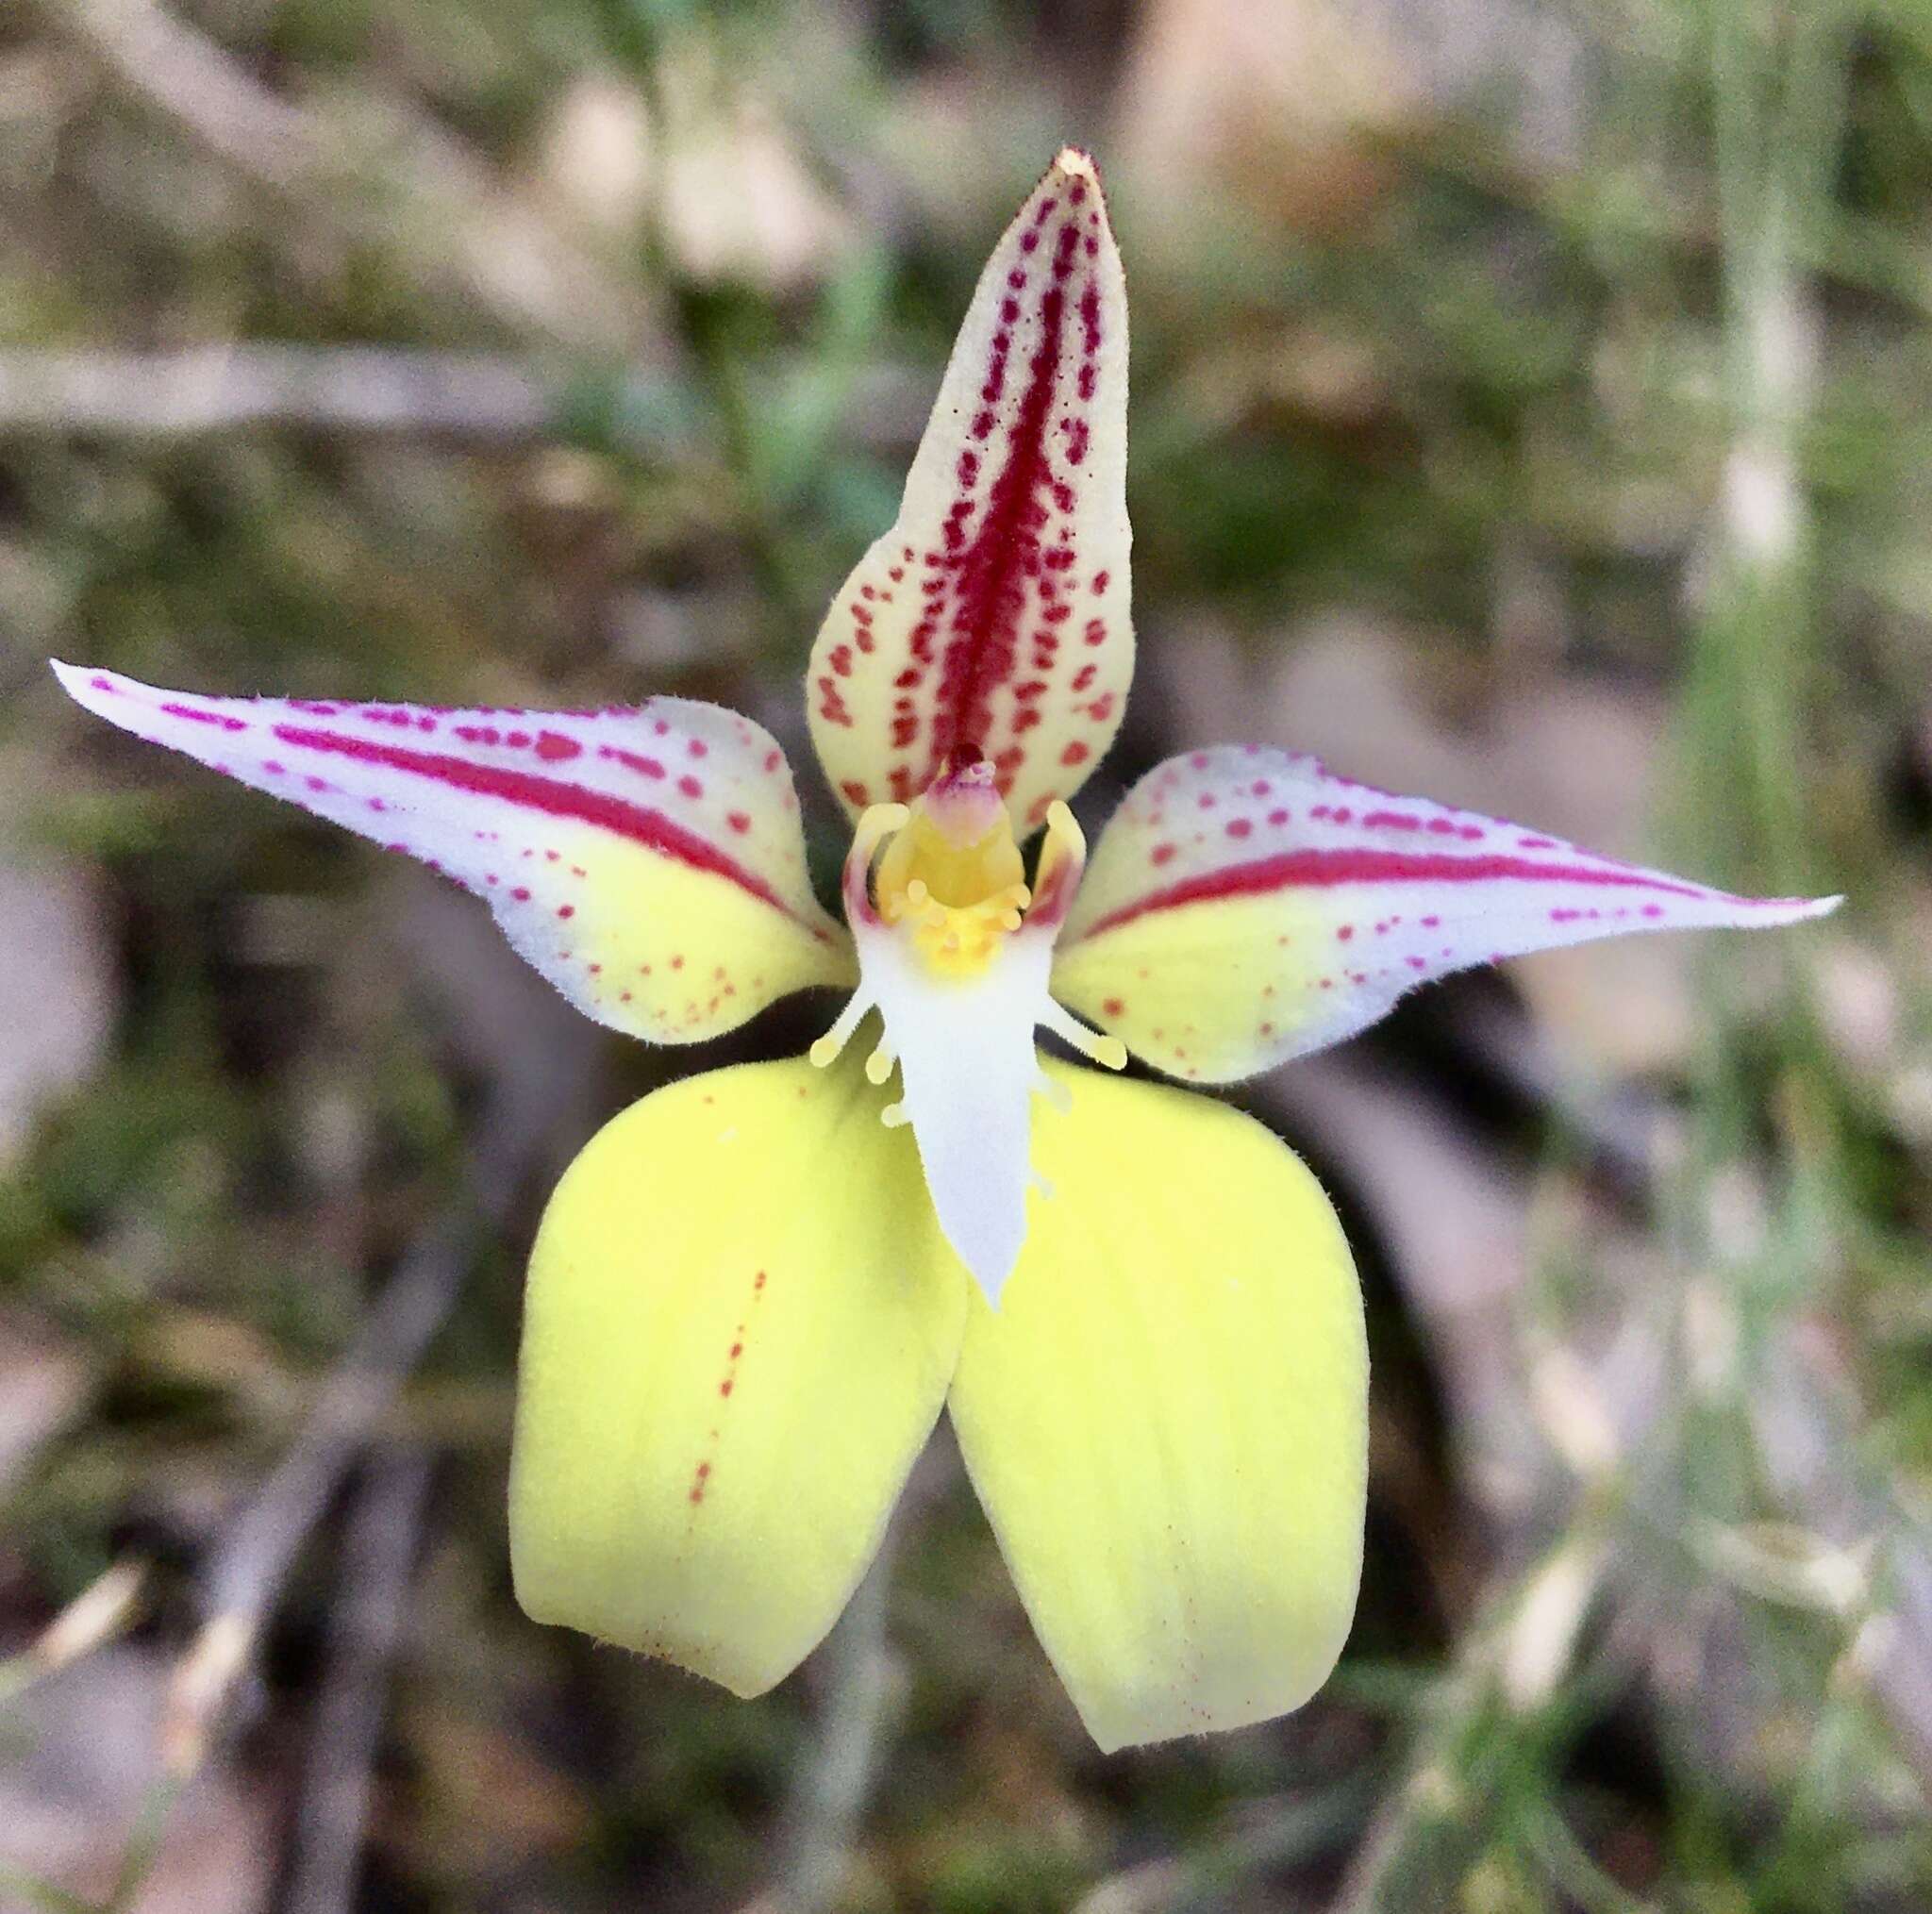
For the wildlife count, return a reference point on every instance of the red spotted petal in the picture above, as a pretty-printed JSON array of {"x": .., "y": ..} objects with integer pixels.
[
  {"x": 649, "y": 862},
  {"x": 992, "y": 622},
  {"x": 1246, "y": 906}
]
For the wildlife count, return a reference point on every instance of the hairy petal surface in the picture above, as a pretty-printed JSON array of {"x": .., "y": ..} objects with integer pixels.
[
  {"x": 740, "y": 1330},
  {"x": 992, "y": 621},
  {"x": 648, "y": 861},
  {"x": 1166, "y": 1417},
  {"x": 1245, "y": 906}
]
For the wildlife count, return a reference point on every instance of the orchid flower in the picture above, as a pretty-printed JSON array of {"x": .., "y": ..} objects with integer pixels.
[{"x": 755, "y": 1291}]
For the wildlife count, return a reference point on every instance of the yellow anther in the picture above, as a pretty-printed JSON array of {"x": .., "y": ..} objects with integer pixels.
[
  {"x": 835, "y": 1039},
  {"x": 878, "y": 1066},
  {"x": 952, "y": 875},
  {"x": 1108, "y": 1052}
]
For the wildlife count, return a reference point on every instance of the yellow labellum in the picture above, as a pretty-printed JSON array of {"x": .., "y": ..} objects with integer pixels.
[
  {"x": 1167, "y": 1417},
  {"x": 740, "y": 1330}
]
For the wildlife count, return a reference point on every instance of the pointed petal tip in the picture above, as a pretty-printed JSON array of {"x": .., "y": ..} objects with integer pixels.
[
  {"x": 87, "y": 684},
  {"x": 1077, "y": 163},
  {"x": 1782, "y": 910},
  {"x": 990, "y": 1268}
]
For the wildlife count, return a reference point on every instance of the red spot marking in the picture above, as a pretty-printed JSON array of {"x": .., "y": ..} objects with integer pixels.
[
  {"x": 1076, "y": 753},
  {"x": 316, "y": 783},
  {"x": 1328, "y": 869},
  {"x": 1160, "y": 854},
  {"x": 1085, "y": 676},
  {"x": 1239, "y": 827},
  {"x": 1653, "y": 910},
  {"x": 739, "y": 822},
  {"x": 856, "y": 791},
  {"x": 677, "y": 964},
  {"x": 521, "y": 894},
  {"x": 1536, "y": 844},
  {"x": 1113, "y": 1006},
  {"x": 200, "y": 717},
  {"x": 689, "y": 786},
  {"x": 698, "y": 1481},
  {"x": 726, "y": 1386},
  {"x": 990, "y": 565},
  {"x": 104, "y": 684},
  {"x": 566, "y": 910},
  {"x": 1391, "y": 820},
  {"x": 1346, "y": 932},
  {"x": 274, "y": 766},
  {"x": 1278, "y": 818},
  {"x": 549, "y": 796},
  {"x": 832, "y": 708},
  {"x": 554, "y": 748}
]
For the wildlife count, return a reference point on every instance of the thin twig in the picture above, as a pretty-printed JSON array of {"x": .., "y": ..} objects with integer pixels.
[
  {"x": 823, "y": 1816},
  {"x": 106, "y": 1607},
  {"x": 379, "y": 1548},
  {"x": 220, "y": 388},
  {"x": 247, "y": 1571},
  {"x": 485, "y": 397}
]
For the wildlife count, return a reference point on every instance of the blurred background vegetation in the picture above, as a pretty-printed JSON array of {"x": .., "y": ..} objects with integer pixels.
[{"x": 1531, "y": 403}]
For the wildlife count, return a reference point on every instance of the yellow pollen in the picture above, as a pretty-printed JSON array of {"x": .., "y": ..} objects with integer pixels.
[{"x": 954, "y": 878}]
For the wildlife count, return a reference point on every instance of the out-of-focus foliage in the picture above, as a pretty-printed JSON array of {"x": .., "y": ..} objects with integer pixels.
[{"x": 1531, "y": 406}]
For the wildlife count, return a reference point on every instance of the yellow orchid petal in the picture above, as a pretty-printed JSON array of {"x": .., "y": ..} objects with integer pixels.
[
  {"x": 740, "y": 1330},
  {"x": 1244, "y": 906},
  {"x": 1167, "y": 1416},
  {"x": 648, "y": 861},
  {"x": 992, "y": 622}
]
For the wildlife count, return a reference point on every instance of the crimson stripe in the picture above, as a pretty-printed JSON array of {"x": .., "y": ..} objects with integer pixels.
[
  {"x": 1318, "y": 870},
  {"x": 651, "y": 829}
]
